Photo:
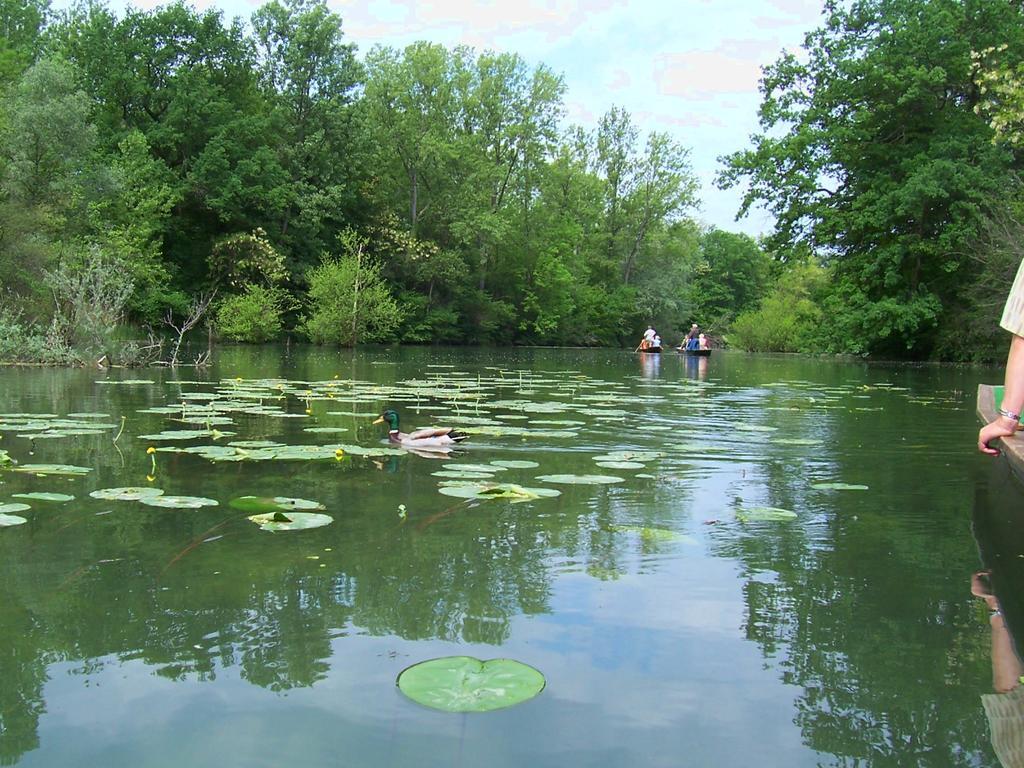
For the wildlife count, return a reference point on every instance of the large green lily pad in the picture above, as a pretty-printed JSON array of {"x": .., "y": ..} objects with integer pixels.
[
  {"x": 515, "y": 464},
  {"x": 507, "y": 491},
  {"x": 269, "y": 504},
  {"x": 487, "y": 468},
  {"x": 53, "y": 469},
  {"x": 126, "y": 494},
  {"x": 581, "y": 479},
  {"x": 290, "y": 521},
  {"x": 456, "y": 474},
  {"x": 838, "y": 487},
  {"x": 59, "y": 498},
  {"x": 9, "y": 520},
  {"x": 13, "y": 507},
  {"x": 620, "y": 464},
  {"x": 466, "y": 684},
  {"x": 178, "y": 502}
]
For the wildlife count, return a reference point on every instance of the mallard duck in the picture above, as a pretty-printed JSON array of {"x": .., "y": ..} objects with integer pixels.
[{"x": 427, "y": 439}]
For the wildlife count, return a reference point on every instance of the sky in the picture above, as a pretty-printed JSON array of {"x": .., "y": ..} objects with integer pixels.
[{"x": 686, "y": 67}]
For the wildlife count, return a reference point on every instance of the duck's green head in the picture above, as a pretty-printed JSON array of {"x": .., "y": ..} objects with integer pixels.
[{"x": 391, "y": 417}]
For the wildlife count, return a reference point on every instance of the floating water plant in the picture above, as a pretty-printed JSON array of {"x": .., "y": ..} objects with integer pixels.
[
  {"x": 838, "y": 487},
  {"x": 290, "y": 521},
  {"x": 53, "y": 469},
  {"x": 466, "y": 684},
  {"x": 126, "y": 494},
  {"x": 581, "y": 479},
  {"x": 58, "y": 498},
  {"x": 456, "y": 474},
  {"x": 178, "y": 502},
  {"x": 9, "y": 520},
  {"x": 620, "y": 464},
  {"x": 515, "y": 464},
  {"x": 263, "y": 504},
  {"x": 490, "y": 469},
  {"x": 13, "y": 507},
  {"x": 507, "y": 491}
]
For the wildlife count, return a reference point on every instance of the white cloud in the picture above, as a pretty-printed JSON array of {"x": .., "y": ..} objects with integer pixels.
[
  {"x": 482, "y": 24},
  {"x": 733, "y": 67}
]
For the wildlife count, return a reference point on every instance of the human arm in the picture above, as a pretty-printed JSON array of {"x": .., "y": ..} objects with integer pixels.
[{"x": 1013, "y": 399}]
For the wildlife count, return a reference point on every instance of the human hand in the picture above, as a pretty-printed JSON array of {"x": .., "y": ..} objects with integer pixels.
[{"x": 1000, "y": 427}]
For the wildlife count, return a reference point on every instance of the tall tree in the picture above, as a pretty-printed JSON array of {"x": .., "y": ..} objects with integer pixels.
[
  {"x": 309, "y": 75},
  {"x": 871, "y": 153}
]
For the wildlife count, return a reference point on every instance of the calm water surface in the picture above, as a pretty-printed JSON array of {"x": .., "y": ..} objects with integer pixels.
[{"x": 670, "y": 631}]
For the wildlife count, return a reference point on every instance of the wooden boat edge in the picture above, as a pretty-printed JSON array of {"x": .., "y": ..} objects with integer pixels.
[{"x": 1012, "y": 447}]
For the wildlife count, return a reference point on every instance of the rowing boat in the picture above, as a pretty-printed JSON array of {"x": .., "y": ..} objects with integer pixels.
[
  {"x": 695, "y": 352},
  {"x": 990, "y": 398}
]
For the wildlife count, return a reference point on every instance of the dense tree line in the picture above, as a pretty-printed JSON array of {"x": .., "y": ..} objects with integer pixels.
[
  {"x": 421, "y": 195},
  {"x": 435, "y": 194}
]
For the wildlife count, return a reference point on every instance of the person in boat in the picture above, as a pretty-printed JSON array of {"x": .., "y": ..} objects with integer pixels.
[
  {"x": 1008, "y": 420},
  {"x": 656, "y": 342},
  {"x": 648, "y": 339},
  {"x": 692, "y": 338},
  {"x": 702, "y": 342}
]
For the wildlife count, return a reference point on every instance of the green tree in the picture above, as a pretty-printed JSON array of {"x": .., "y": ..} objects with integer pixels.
[
  {"x": 871, "y": 154},
  {"x": 789, "y": 318},
  {"x": 350, "y": 301},
  {"x": 253, "y": 316},
  {"x": 21, "y": 36},
  {"x": 48, "y": 135},
  {"x": 730, "y": 275},
  {"x": 308, "y": 75},
  {"x": 410, "y": 101}
]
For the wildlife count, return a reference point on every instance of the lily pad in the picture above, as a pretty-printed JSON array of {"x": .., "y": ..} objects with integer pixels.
[
  {"x": 13, "y": 507},
  {"x": 126, "y": 494},
  {"x": 507, "y": 491},
  {"x": 267, "y": 504},
  {"x": 581, "y": 479},
  {"x": 758, "y": 514},
  {"x": 838, "y": 487},
  {"x": 620, "y": 465},
  {"x": 629, "y": 456},
  {"x": 255, "y": 444},
  {"x": 178, "y": 502},
  {"x": 9, "y": 520},
  {"x": 466, "y": 684},
  {"x": 475, "y": 468},
  {"x": 56, "y": 497},
  {"x": 290, "y": 521},
  {"x": 515, "y": 464},
  {"x": 53, "y": 469},
  {"x": 797, "y": 441},
  {"x": 456, "y": 474},
  {"x": 186, "y": 434}
]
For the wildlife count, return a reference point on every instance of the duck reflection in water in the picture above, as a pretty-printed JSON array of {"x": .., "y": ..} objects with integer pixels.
[{"x": 1005, "y": 707}]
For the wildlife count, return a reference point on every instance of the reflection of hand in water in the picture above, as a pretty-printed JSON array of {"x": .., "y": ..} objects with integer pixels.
[
  {"x": 1004, "y": 708},
  {"x": 1006, "y": 667}
]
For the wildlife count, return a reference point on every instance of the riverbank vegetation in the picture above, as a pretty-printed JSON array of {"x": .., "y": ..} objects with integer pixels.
[{"x": 151, "y": 160}]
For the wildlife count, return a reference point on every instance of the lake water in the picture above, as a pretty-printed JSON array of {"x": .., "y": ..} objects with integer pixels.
[{"x": 673, "y": 627}]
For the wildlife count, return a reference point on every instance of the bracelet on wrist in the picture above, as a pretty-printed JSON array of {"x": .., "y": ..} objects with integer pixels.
[{"x": 1009, "y": 415}]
